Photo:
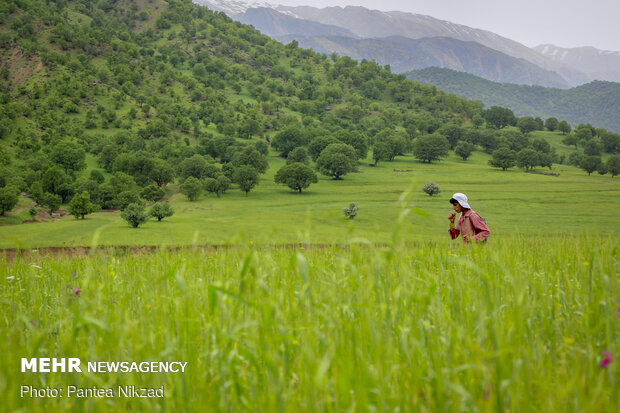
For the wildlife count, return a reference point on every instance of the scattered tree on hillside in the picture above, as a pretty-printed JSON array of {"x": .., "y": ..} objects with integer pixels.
[
  {"x": 152, "y": 193},
  {"x": 613, "y": 165},
  {"x": 430, "y": 148},
  {"x": 80, "y": 205},
  {"x": 161, "y": 210},
  {"x": 217, "y": 185},
  {"x": 296, "y": 176},
  {"x": 337, "y": 160},
  {"x": 527, "y": 158},
  {"x": 246, "y": 177},
  {"x": 564, "y": 127},
  {"x": 527, "y": 124},
  {"x": 499, "y": 117},
  {"x": 250, "y": 157},
  {"x": 9, "y": 196},
  {"x": 298, "y": 155},
  {"x": 135, "y": 214},
  {"x": 52, "y": 202},
  {"x": 381, "y": 151},
  {"x": 464, "y": 150},
  {"x": 191, "y": 188},
  {"x": 590, "y": 164},
  {"x": 551, "y": 124},
  {"x": 317, "y": 145},
  {"x": 287, "y": 140},
  {"x": 503, "y": 158}
]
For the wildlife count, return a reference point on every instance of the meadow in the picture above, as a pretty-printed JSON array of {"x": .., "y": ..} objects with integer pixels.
[
  {"x": 279, "y": 303},
  {"x": 519, "y": 324},
  {"x": 513, "y": 202}
]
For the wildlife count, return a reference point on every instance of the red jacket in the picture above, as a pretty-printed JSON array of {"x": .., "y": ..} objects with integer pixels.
[{"x": 469, "y": 226}]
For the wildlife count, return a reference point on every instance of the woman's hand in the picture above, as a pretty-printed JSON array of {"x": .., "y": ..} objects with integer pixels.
[{"x": 451, "y": 217}]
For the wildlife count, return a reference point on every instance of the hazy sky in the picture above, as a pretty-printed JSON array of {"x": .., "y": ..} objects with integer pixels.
[{"x": 565, "y": 23}]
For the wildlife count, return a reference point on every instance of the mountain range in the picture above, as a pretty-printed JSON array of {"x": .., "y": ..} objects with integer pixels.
[
  {"x": 596, "y": 103},
  {"x": 347, "y": 31}
]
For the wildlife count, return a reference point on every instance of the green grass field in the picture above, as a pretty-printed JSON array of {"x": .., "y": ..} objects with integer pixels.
[
  {"x": 379, "y": 313},
  {"x": 513, "y": 202},
  {"x": 519, "y": 324}
]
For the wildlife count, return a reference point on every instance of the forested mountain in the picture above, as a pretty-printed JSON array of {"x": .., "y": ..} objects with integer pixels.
[
  {"x": 150, "y": 93},
  {"x": 404, "y": 54},
  {"x": 596, "y": 102}
]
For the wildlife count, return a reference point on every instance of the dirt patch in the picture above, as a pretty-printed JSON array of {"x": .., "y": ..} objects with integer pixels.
[{"x": 36, "y": 254}]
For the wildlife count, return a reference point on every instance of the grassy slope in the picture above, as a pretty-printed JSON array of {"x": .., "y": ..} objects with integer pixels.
[{"x": 512, "y": 201}]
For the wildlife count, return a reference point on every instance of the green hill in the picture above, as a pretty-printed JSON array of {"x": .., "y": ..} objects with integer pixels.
[
  {"x": 131, "y": 101},
  {"x": 597, "y": 103}
]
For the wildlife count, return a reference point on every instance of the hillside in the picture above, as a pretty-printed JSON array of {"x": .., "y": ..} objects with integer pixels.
[
  {"x": 404, "y": 54},
  {"x": 115, "y": 98},
  {"x": 597, "y": 102}
]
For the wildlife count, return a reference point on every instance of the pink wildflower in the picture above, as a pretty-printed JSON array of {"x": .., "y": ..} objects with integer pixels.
[
  {"x": 77, "y": 291},
  {"x": 606, "y": 360}
]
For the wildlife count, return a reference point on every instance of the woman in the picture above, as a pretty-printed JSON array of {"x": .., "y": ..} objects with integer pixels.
[{"x": 470, "y": 226}]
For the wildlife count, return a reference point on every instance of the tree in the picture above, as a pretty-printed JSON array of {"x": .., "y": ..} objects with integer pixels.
[
  {"x": 298, "y": 155},
  {"x": 52, "y": 201},
  {"x": 296, "y": 176},
  {"x": 8, "y": 199},
  {"x": 381, "y": 151},
  {"x": 570, "y": 140},
  {"x": 593, "y": 147},
  {"x": 250, "y": 157},
  {"x": 541, "y": 145},
  {"x": 590, "y": 164},
  {"x": 161, "y": 210},
  {"x": 135, "y": 214},
  {"x": 287, "y": 140},
  {"x": 195, "y": 166},
  {"x": 191, "y": 188},
  {"x": 503, "y": 158},
  {"x": 317, "y": 145},
  {"x": 431, "y": 188},
  {"x": 527, "y": 158},
  {"x": 464, "y": 150},
  {"x": 217, "y": 185},
  {"x": 430, "y": 148},
  {"x": 246, "y": 177},
  {"x": 477, "y": 121},
  {"x": 527, "y": 124},
  {"x": 127, "y": 197},
  {"x": 337, "y": 160},
  {"x": 551, "y": 124},
  {"x": 453, "y": 133},
  {"x": 152, "y": 193},
  {"x": 613, "y": 165},
  {"x": 355, "y": 139},
  {"x": 121, "y": 182},
  {"x": 498, "y": 117},
  {"x": 81, "y": 206},
  {"x": 70, "y": 156},
  {"x": 162, "y": 173},
  {"x": 564, "y": 127}
]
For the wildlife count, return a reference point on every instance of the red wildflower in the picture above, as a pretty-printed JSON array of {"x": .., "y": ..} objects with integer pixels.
[{"x": 606, "y": 360}]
